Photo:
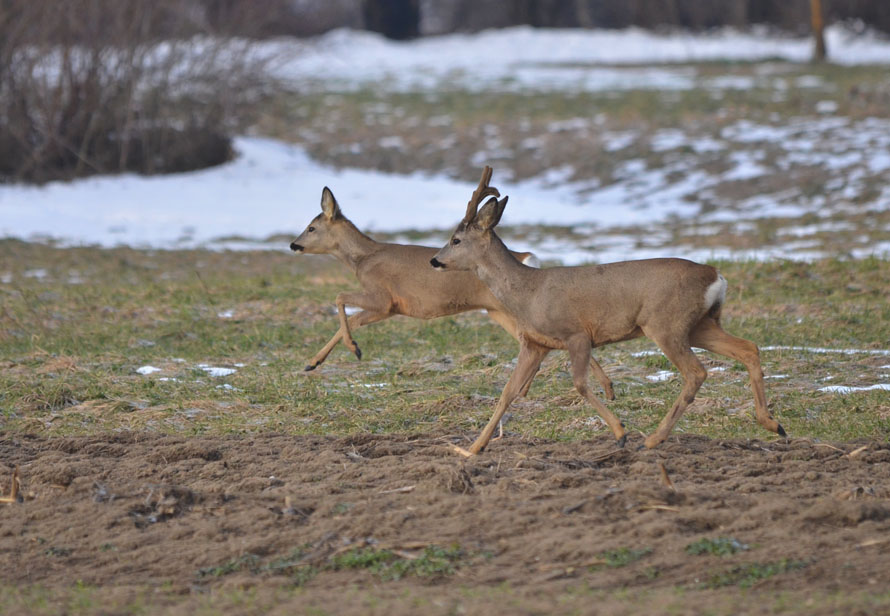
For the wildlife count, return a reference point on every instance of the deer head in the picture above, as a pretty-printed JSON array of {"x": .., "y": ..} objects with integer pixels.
[
  {"x": 473, "y": 234},
  {"x": 321, "y": 236}
]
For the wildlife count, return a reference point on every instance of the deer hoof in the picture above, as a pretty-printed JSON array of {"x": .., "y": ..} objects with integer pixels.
[
  {"x": 622, "y": 441},
  {"x": 310, "y": 367},
  {"x": 781, "y": 431},
  {"x": 358, "y": 352}
]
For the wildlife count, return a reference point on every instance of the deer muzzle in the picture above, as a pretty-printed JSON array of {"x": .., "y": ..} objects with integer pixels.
[
  {"x": 296, "y": 247},
  {"x": 436, "y": 263}
]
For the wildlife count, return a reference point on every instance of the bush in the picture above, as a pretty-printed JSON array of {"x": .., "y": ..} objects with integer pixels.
[{"x": 88, "y": 86}]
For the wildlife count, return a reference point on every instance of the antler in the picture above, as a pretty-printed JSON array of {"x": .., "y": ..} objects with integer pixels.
[{"x": 482, "y": 191}]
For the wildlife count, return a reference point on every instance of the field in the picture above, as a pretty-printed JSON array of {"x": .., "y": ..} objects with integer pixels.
[
  {"x": 175, "y": 458},
  {"x": 266, "y": 489}
]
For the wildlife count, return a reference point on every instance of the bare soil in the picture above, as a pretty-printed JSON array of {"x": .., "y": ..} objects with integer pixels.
[{"x": 197, "y": 516}]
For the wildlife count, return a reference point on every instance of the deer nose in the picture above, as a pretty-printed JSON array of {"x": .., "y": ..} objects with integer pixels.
[
  {"x": 296, "y": 247},
  {"x": 436, "y": 263}
]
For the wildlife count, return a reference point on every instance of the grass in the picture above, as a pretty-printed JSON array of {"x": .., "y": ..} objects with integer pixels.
[
  {"x": 745, "y": 576},
  {"x": 623, "y": 556},
  {"x": 718, "y": 546},
  {"x": 346, "y": 128},
  {"x": 70, "y": 353},
  {"x": 84, "y": 599},
  {"x": 387, "y": 565},
  {"x": 435, "y": 561}
]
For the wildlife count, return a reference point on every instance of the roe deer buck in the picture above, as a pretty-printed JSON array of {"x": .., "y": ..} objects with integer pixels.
[
  {"x": 396, "y": 279},
  {"x": 674, "y": 302}
]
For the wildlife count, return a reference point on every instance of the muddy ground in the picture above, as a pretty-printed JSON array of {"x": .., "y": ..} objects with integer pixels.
[{"x": 528, "y": 526}]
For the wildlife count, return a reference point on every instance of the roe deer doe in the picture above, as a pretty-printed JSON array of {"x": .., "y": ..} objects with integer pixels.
[
  {"x": 674, "y": 302},
  {"x": 396, "y": 279}
]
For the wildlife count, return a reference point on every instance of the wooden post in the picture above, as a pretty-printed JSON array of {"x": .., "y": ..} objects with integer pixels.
[{"x": 818, "y": 24}]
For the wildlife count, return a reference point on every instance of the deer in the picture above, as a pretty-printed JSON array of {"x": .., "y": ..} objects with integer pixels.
[
  {"x": 676, "y": 303},
  {"x": 396, "y": 280}
]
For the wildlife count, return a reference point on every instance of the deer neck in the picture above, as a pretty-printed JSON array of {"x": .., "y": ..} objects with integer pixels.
[
  {"x": 507, "y": 278},
  {"x": 353, "y": 246}
]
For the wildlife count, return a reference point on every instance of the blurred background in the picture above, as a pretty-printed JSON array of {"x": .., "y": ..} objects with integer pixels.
[{"x": 620, "y": 128}]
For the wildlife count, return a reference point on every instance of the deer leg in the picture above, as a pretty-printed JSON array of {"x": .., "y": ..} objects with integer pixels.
[
  {"x": 709, "y": 335},
  {"x": 603, "y": 378},
  {"x": 579, "y": 351},
  {"x": 694, "y": 374},
  {"x": 509, "y": 325},
  {"x": 364, "y": 317},
  {"x": 369, "y": 303},
  {"x": 530, "y": 358}
]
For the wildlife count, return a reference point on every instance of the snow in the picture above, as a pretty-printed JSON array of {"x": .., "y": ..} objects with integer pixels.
[
  {"x": 844, "y": 389},
  {"x": 823, "y": 351},
  {"x": 661, "y": 375},
  {"x": 273, "y": 188},
  {"x": 147, "y": 370},
  {"x": 216, "y": 371},
  {"x": 526, "y": 57}
]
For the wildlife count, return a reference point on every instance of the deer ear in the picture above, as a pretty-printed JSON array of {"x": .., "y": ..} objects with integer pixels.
[
  {"x": 329, "y": 204},
  {"x": 490, "y": 214}
]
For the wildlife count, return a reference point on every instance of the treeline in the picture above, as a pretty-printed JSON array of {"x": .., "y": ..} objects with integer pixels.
[
  {"x": 788, "y": 15},
  {"x": 402, "y": 19}
]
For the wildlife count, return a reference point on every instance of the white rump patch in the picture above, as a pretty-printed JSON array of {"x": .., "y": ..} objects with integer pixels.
[
  {"x": 532, "y": 261},
  {"x": 716, "y": 292}
]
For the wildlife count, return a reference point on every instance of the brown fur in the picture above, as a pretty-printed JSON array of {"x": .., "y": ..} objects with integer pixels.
[
  {"x": 396, "y": 279},
  {"x": 577, "y": 308}
]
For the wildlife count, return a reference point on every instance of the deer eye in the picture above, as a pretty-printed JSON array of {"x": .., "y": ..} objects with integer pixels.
[
  {"x": 455, "y": 240},
  {"x": 310, "y": 229}
]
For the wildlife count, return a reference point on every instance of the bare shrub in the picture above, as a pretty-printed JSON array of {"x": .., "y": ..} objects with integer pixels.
[{"x": 88, "y": 86}]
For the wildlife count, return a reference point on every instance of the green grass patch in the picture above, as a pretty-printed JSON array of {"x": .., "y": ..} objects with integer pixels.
[
  {"x": 387, "y": 565},
  {"x": 718, "y": 546},
  {"x": 621, "y": 557},
  {"x": 246, "y": 562},
  {"x": 435, "y": 561},
  {"x": 747, "y": 575}
]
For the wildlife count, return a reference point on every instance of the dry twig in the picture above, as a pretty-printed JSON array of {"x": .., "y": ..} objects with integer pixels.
[
  {"x": 398, "y": 490},
  {"x": 829, "y": 446},
  {"x": 15, "y": 484},
  {"x": 871, "y": 542},
  {"x": 664, "y": 476},
  {"x": 659, "y": 507}
]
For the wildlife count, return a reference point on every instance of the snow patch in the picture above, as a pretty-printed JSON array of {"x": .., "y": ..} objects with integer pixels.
[
  {"x": 661, "y": 375},
  {"x": 216, "y": 371},
  {"x": 821, "y": 350},
  {"x": 844, "y": 389}
]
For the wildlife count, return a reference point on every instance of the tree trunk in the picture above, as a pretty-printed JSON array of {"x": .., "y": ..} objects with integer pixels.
[
  {"x": 818, "y": 24},
  {"x": 395, "y": 19}
]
